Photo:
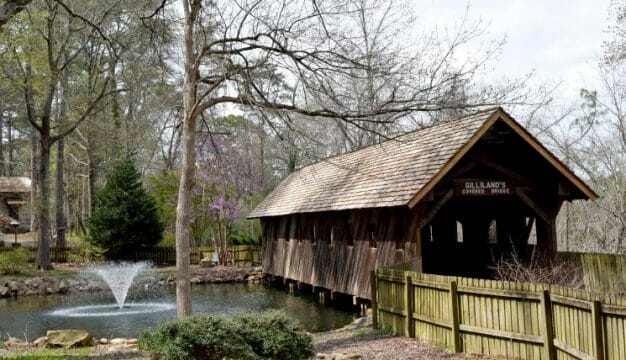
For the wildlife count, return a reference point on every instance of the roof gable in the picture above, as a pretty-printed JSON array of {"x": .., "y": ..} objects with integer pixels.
[{"x": 397, "y": 172}]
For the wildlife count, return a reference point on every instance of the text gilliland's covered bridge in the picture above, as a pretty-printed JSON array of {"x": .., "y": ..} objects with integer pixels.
[{"x": 455, "y": 196}]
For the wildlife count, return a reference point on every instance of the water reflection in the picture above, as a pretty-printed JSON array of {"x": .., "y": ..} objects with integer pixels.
[{"x": 31, "y": 316}]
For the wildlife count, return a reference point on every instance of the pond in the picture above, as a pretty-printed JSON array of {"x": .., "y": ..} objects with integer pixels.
[{"x": 30, "y": 316}]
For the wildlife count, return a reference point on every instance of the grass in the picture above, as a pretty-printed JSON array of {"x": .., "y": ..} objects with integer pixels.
[
  {"x": 31, "y": 272},
  {"x": 80, "y": 353}
]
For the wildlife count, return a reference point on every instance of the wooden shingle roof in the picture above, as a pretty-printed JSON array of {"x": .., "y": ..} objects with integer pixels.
[
  {"x": 396, "y": 172},
  {"x": 14, "y": 184}
]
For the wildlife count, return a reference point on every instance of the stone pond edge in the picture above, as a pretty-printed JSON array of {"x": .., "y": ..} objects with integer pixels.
[{"x": 44, "y": 285}]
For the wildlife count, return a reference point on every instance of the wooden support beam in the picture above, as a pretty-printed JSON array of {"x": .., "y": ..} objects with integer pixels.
[
  {"x": 503, "y": 170},
  {"x": 466, "y": 168},
  {"x": 546, "y": 237},
  {"x": 435, "y": 209},
  {"x": 564, "y": 190},
  {"x": 531, "y": 204},
  {"x": 528, "y": 228}
]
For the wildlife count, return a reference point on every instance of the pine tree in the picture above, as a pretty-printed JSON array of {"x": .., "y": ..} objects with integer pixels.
[{"x": 125, "y": 216}]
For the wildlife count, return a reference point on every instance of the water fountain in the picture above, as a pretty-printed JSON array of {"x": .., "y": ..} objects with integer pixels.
[{"x": 119, "y": 277}]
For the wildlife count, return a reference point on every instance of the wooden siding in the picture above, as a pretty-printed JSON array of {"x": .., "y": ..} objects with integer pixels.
[{"x": 335, "y": 263}]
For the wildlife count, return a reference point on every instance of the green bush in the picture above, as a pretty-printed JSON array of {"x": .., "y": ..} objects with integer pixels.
[
  {"x": 14, "y": 261},
  {"x": 274, "y": 335},
  {"x": 87, "y": 253},
  {"x": 269, "y": 335},
  {"x": 198, "y": 337}
]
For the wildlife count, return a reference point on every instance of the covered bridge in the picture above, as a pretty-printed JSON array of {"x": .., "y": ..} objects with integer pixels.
[{"x": 455, "y": 196}]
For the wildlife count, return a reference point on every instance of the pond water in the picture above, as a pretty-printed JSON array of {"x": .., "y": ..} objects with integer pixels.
[{"x": 30, "y": 316}]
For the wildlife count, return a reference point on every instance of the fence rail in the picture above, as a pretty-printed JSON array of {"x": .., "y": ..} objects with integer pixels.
[
  {"x": 500, "y": 318},
  {"x": 242, "y": 255}
]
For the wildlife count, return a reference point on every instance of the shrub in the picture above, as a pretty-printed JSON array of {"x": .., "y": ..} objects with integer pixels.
[
  {"x": 14, "y": 261},
  {"x": 538, "y": 269},
  {"x": 269, "y": 335},
  {"x": 274, "y": 335},
  {"x": 198, "y": 337},
  {"x": 87, "y": 253},
  {"x": 125, "y": 215}
]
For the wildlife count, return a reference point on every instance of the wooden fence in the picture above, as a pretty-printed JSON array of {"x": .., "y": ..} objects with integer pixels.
[
  {"x": 602, "y": 272},
  {"x": 242, "y": 255},
  {"x": 499, "y": 318},
  {"x": 58, "y": 255}
]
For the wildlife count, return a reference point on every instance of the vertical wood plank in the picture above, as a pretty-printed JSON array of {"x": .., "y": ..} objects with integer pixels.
[
  {"x": 598, "y": 337},
  {"x": 546, "y": 322},
  {"x": 408, "y": 301},
  {"x": 374, "y": 300},
  {"x": 454, "y": 312}
]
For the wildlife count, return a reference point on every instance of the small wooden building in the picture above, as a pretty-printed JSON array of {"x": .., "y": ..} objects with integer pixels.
[
  {"x": 14, "y": 203},
  {"x": 455, "y": 197}
]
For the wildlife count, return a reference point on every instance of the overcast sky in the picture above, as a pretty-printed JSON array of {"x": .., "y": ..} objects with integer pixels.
[{"x": 561, "y": 40}]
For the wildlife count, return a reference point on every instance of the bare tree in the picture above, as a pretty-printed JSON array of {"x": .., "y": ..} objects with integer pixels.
[
  {"x": 60, "y": 53},
  {"x": 294, "y": 57}
]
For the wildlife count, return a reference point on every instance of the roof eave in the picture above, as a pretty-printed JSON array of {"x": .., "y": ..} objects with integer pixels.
[{"x": 502, "y": 115}]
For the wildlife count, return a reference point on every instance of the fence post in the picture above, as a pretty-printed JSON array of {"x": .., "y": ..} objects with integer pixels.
[
  {"x": 548, "y": 333},
  {"x": 598, "y": 336},
  {"x": 454, "y": 312},
  {"x": 408, "y": 301},
  {"x": 374, "y": 300}
]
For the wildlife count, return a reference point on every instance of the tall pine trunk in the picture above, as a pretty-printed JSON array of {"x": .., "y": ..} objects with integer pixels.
[{"x": 61, "y": 223}]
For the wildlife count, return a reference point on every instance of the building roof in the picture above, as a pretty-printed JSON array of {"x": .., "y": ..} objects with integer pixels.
[
  {"x": 14, "y": 184},
  {"x": 6, "y": 220},
  {"x": 397, "y": 172}
]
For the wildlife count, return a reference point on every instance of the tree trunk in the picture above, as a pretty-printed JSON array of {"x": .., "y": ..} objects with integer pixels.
[
  {"x": 43, "y": 206},
  {"x": 83, "y": 207},
  {"x": 61, "y": 222},
  {"x": 34, "y": 180},
  {"x": 91, "y": 181},
  {"x": 10, "y": 164},
  {"x": 3, "y": 166},
  {"x": 183, "y": 209},
  {"x": 60, "y": 195},
  {"x": 183, "y": 220}
]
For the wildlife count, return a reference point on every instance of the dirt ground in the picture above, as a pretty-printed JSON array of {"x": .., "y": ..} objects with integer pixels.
[{"x": 360, "y": 338}]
